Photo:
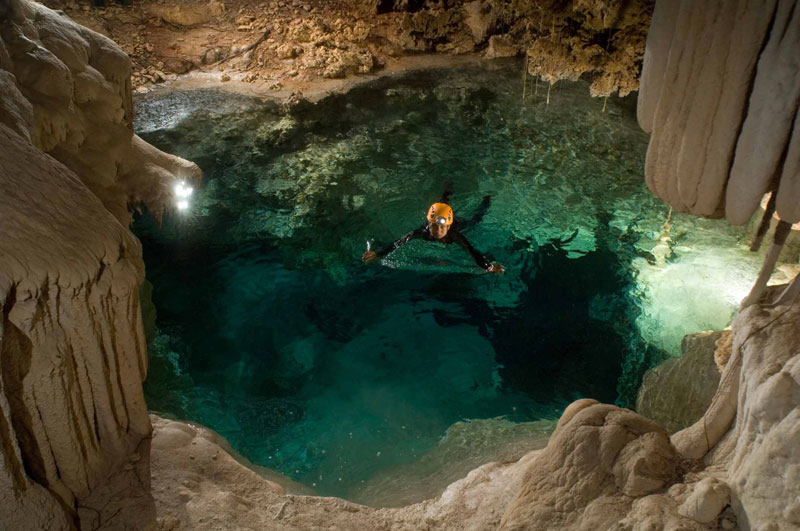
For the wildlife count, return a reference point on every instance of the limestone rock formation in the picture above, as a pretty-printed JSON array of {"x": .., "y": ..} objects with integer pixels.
[
  {"x": 765, "y": 468},
  {"x": 599, "y": 458},
  {"x": 73, "y": 421},
  {"x": 602, "y": 41},
  {"x": 676, "y": 393},
  {"x": 759, "y": 387},
  {"x": 706, "y": 502},
  {"x": 720, "y": 95},
  {"x": 72, "y": 351},
  {"x": 198, "y": 485},
  {"x": 67, "y": 89}
]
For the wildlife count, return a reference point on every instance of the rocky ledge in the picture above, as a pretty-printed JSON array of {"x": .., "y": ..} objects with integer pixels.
[
  {"x": 278, "y": 43},
  {"x": 603, "y": 468}
]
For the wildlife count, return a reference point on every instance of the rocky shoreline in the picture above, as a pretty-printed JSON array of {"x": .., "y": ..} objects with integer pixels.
[{"x": 276, "y": 45}]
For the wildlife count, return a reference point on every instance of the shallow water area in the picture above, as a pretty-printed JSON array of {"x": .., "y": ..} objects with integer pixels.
[{"x": 356, "y": 379}]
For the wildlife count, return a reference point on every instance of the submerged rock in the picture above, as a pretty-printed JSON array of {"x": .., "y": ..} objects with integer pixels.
[{"x": 677, "y": 393}]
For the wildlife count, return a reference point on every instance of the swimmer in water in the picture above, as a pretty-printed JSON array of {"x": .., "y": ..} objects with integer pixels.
[{"x": 442, "y": 227}]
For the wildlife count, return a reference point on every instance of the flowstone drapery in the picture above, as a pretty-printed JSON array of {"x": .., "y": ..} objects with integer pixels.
[{"x": 720, "y": 93}]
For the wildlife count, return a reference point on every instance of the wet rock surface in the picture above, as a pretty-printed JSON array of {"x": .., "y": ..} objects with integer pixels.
[
  {"x": 74, "y": 425},
  {"x": 677, "y": 393}
]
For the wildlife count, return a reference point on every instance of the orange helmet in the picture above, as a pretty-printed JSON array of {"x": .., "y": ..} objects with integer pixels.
[{"x": 441, "y": 213}]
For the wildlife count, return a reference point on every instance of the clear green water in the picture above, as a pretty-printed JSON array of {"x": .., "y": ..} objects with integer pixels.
[{"x": 346, "y": 376}]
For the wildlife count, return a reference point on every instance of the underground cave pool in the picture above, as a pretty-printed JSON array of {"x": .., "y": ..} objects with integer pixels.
[{"x": 383, "y": 382}]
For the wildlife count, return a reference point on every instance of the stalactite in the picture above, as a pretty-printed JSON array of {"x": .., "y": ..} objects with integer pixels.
[
  {"x": 778, "y": 240},
  {"x": 766, "y": 219}
]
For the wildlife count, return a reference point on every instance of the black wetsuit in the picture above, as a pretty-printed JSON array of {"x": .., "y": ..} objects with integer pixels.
[{"x": 453, "y": 234}]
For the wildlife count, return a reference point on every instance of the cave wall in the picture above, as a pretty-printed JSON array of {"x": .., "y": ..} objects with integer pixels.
[
  {"x": 720, "y": 91},
  {"x": 764, "y": 467},
  {"x": 72, "y": 349},
  {"x": 67, "y": 90},
  {"x": 600, "y": 41},
  {"x": 74, "y": 430}
]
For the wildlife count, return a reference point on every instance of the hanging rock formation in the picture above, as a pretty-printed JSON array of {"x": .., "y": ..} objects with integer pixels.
[
  {"x": 598, "y": 40},
  {"x": 67, "y": 90},
  {"x": 720, "y": 92}
]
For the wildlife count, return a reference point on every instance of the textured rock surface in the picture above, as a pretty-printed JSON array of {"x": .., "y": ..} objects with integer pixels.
[
  {"x": 706, "y": 502},
  {"x": 765, "y": 468},
  {"x": 761, "y": 452},
  {"x": 272, "y": 45},
  {"x": 67, "y": 89},
  {"x": 74, "y": 427},
  {"x": 599, "y": 458},
  {"x": 198, "y": 485},
  {"x": 677, "y": 392},
  {"x": 602, "y": 41},
  {"x": 720, "y": 94},
  {"x": 72, "y": 352}
]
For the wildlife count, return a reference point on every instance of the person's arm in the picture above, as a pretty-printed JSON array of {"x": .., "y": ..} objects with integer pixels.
[
  {"x": 383, "y": 251},
  {"x": 476, "y": 255},
  {"x": 386, "y": 249}
]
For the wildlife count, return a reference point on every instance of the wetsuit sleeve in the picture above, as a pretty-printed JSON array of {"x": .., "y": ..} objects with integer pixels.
[
  {"x": 476, "y": 255},
  {"x": 383, "y": 251}
]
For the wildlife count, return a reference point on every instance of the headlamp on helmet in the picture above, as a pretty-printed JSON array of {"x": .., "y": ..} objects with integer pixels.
[{"x": 440, "y": 213}]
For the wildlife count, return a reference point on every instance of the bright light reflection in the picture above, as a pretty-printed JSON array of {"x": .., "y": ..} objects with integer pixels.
[{"x": 182, "y": 193}]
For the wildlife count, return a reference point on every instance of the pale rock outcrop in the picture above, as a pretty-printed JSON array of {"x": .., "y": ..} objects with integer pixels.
[
  {"x": 678, "y": 391},
  {"x": 759, "y": 388},
  {"x": 658, "y": 511},
  {"x": 720, "y": 95},
  {"x": 72, "y": 351},
  {"x": 198, "y": 485},
  {"x": 765, "y": 468},
  {"x": 599, "y": 458},
  {"x": 706, "y": 502},
  {"x": 74, "y": 427},
  {"x": 67, "y": 89}
]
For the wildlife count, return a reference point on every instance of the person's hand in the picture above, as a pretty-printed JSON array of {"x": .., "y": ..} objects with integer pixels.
[
  {"x": 369, "y": 256},
  {"x": 496, "y": 268}
]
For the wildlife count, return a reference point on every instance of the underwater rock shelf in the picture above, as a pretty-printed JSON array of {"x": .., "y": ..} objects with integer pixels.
[{"x": 355, "y": 379}]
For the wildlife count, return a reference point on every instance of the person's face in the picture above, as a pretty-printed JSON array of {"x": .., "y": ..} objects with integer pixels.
[{"x": 438, "y": 231}]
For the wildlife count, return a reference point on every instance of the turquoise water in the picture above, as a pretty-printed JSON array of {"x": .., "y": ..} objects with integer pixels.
[{"x": 341, "y": 374}]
